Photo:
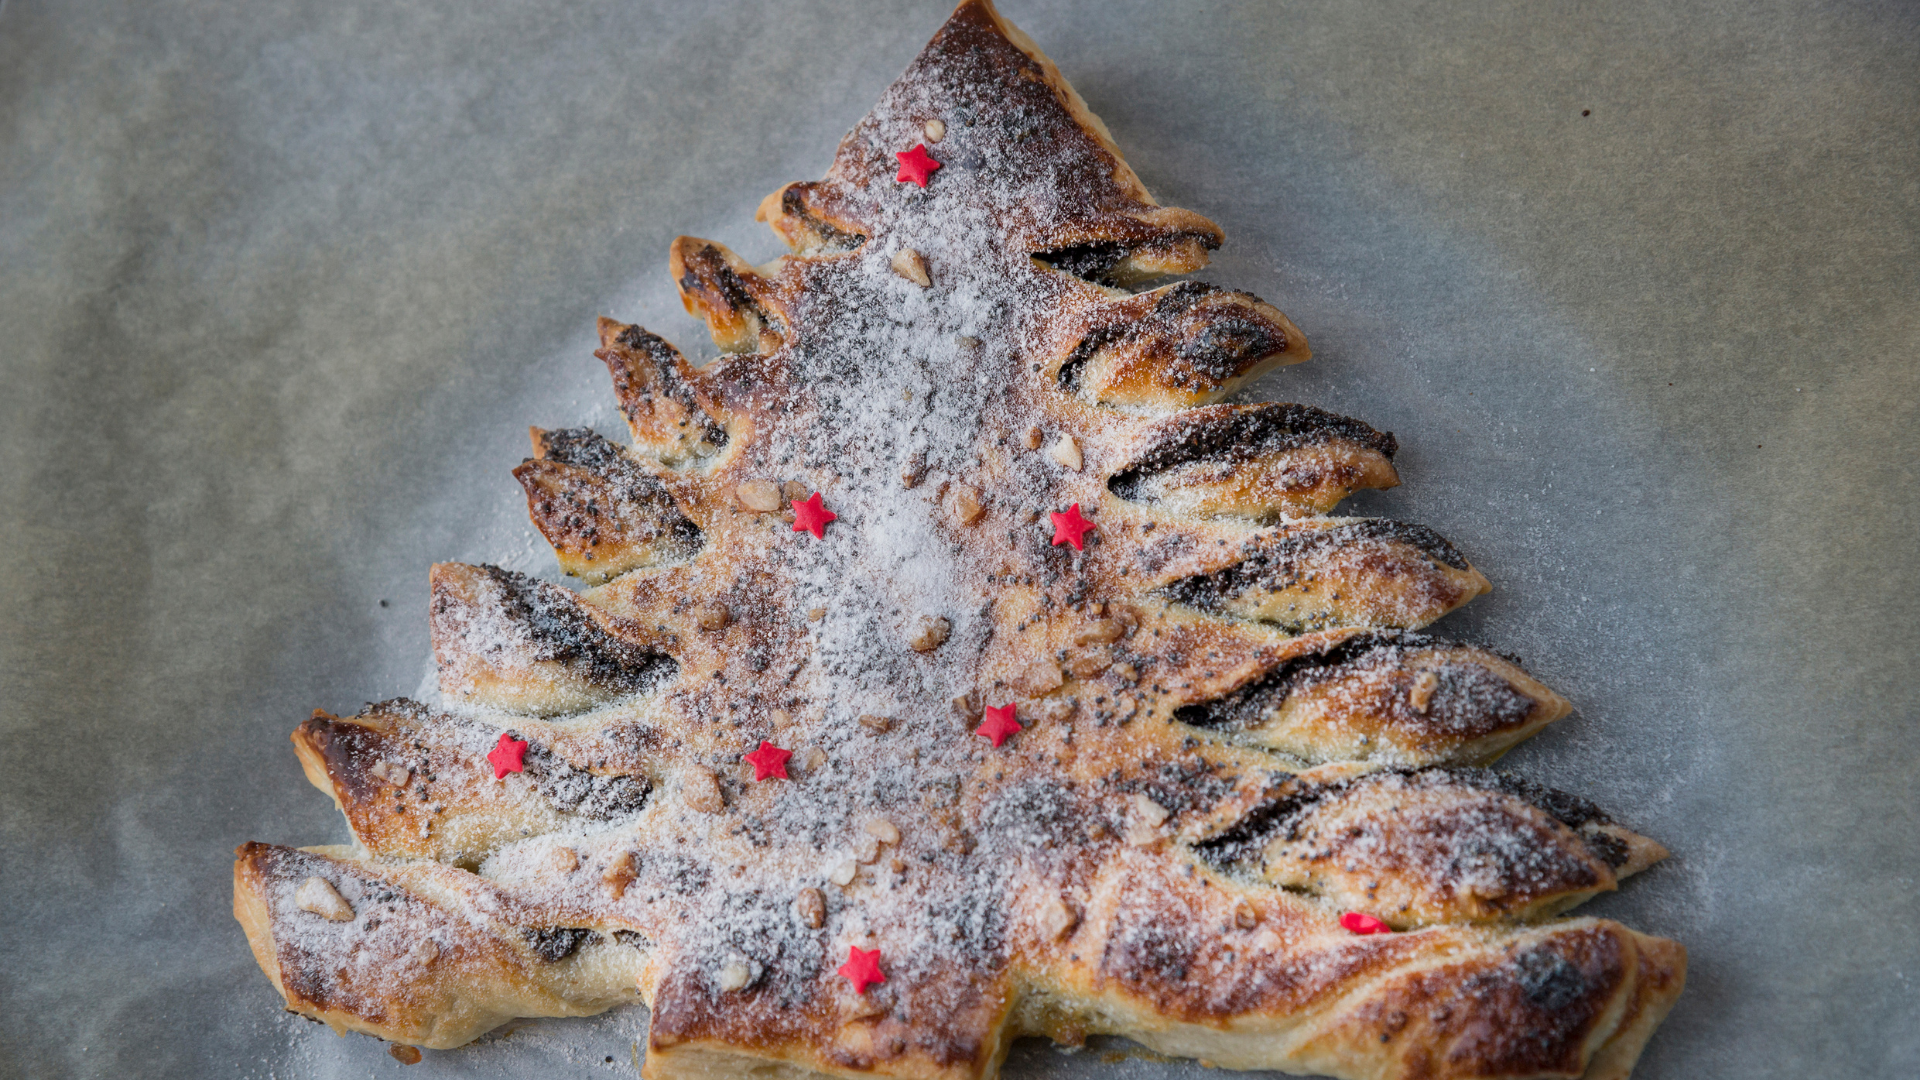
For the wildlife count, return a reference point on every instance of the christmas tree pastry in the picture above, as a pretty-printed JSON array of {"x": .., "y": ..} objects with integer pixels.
[{"x": 957, "y": 667}]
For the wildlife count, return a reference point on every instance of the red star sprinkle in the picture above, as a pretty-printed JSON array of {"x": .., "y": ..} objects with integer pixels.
[
  {"x": 916, "y": 165},
  {"x": 1071, "y": 528},
  {"x": 999, "y": 725},
  {"x": 862, "y": 968},
  {"x": 508, "y": 755},
  {"x": 811, "y": 516},
  {"x": 769, "y": 761},
  {"x": 1357, "y": 922}
]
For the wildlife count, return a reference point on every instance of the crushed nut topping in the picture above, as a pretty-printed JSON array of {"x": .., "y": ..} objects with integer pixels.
[
  {"x": 1058, "y": 918},
  {"x": 911, "y": 265},
  {"x": 935, "y": 130},
  {"x": 1034, "y": 438},
  {"x": 1245, "y": 916},
  {"x": 879, "y": 725},
  {"x": 930, "y": 634},
  {"x": 842, "y": 874},
  {"x": 1067, "y": 453},
  {"x": 759, "y": 496},
  {"x": 1090, "y": 662},
  {"x": 913, "y": 470},
  {"x": 1100, "y": 632},
  {"x": 966, "y": 708},
  {"x": 883, "y": 830},
  {"x": 812, "y": 907},
  {"x": 317, "y": 895},
  {"x": 712, "y": 617},
  {"x": 1039, "y": 677},
  {"x": 1143, "y": 823},
  {"x": 733, "y": 975},
  {"x": 965, "y": 504},
  {"x": 563, "y": 860},
  {"x": 618, "y": 875},
  {"x": 1149, "y": 811},
  {"x": 1421, "y": 696},
  {"x": 701, "y": 791}
]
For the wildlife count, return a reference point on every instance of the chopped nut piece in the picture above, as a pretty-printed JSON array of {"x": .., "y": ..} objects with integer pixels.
[
  {"x": 1099, "y": 631},
  {"x": 1090, "y": 662},
  {"x": 317, "y": 895},
  {"x": 779, "y": 718},
  {"x": 390, "y": 771},
  {"x": 961, "y": 842},
  {"x": 759, "y": 496},
  {"x": 865, "y": 849},
  {"x": 909, "y": 264},
  {"x": 618, "y": 875},
  {"x": 883, "y": 830},
  {"x": 1097, "y": 830},
  {"x": 1067, "y": 453},
  {"x": 812, "y": 908},
  {"x": 879, "y": 725},
  {"x": 1245, "y": 916},
  {"x": 1144, "y": 821},
  {"x": 1057, "y": 919},
  {"x": 930, "y": 634},
  {"x": 1127, "y": 672},
  {"x": 859, "y": 1006},
  {"x": 733, "y": 974},
  {"x": 967, "y": 708},
  {"x": 913, "y": 470},
  {"x": 813, "y": 759},
  {"x": 563, "y": 860},
  {"x": 935, "y": 130},
  {"x": 966, "y": 505},
  {"x": 405, "y": 1055},
  {"x": 897, "y": 864},
  {"x": 843, "y": 874},
  {"x": 1039, "y": 677},
  {"x": 1421, "y": 696},
  {"x": 816, "y": 614},
  {"x": 1034, "y": 437},
  {"x": 701, "y": 791},
  {"x": 1266, "y": 941},
  {"x": 791, "y": 492},
  {"x": 712, "y": 616},
  {"x": 424, "y": 952},
  {"x": 1149, "y": 811}
]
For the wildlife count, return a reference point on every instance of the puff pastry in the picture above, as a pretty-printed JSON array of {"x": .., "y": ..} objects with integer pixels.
[{"x": 1229, "y": 735}]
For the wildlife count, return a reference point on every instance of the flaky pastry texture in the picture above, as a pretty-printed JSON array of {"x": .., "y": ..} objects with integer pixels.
[{"x": 1232, "y": 732}]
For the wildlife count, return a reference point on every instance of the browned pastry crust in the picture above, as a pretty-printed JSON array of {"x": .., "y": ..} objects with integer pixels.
[{"x": 1231, "y": 734}]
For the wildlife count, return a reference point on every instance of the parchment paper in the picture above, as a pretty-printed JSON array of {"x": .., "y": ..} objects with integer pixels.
[{"x": 282, "y": 284}]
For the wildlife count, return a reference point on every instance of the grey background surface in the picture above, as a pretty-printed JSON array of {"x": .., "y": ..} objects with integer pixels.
[{"x": 281, "y": 285}]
